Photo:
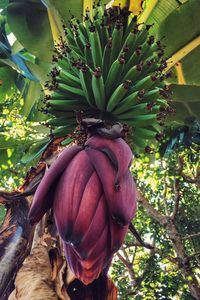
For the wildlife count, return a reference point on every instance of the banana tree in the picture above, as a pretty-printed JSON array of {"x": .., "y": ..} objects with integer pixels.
[{"x": 114, "y": 76}]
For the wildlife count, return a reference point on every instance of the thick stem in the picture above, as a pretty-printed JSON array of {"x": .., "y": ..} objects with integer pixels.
[{"x": 15, "y": 242}]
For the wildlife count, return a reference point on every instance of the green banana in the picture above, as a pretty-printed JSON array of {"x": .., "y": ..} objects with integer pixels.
[
  {"x": 116, "y": 42},
  {"x": 118, "y": 95},
  {"x": 79, "y": 43},
  {"x": 97, "y": 24},
  {"x": 68, "y": 78},
  {"x": 95, "y": 47},
  {"x": 73, "y": 55},
  {"x": 63, "y": 63},
  {"x": 162, "y": 102},
  {"x": 141, "y": 37},
  {"x": 104, "y": 35},
  {"x": 144, "y": 84},
  {"x": 99, "y": 90},
  {"x": 113, "y": 77},
  {"x": 143, "y": 120},
  {"x": 57, "y": 96},
  {"x": 62, "y": 121},
  {"x": 151, "y": 95},
  {"x": 64, "y": 130},
  {"x": 88, "y": 56},
  {"x": 131, "y": 27},
  {"x": 70, "y": 37},
  {"x": 132, "y": 74},
  {"x": 65, "y": 105},
  {"x": 144, "y": 132},
  {"x": 86, "y": 80},
  {"x": 130, "y": 40},
  {"x": 83, "y": 32},
  {"x": 139, "y": 109},
  {"x": 70, "y": 91},
  {"x": 60, "y": 113},
  {"x": 126, "y": 103},
  {"x": 131, "y": 62},
  {"x": 106, "y": 59}
]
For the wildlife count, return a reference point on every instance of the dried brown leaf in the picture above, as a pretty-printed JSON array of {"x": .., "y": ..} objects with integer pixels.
[{"x": 33, "y": 280}]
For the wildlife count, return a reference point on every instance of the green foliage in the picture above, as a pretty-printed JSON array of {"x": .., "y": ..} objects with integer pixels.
[
  {"x": 183, "y": 19},
  {"x": 2, "y": 213},
  {"x": 155, "y": 274},
  {"x": 29, "y": 22},
  {"x": 17, "y": 137}
]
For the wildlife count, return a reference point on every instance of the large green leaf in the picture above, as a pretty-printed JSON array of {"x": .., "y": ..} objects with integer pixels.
[
  {"x": 65, "y": 9},
  {"x": 30, "y": 24},
  {"x": 156, "y": 11},
  {"x": 3, "y": 3},
  {"x": 69, "y": 7},
  {"x": 191, "y": 67},
  {"x": 40, "y": 70},
  {"x": 7, "y": 77},
  {"x": 186, "y": 99},
  {"x": 31, "y": 96},
  {"x": 180, "y": 27},
  {"x": 36, "y": 150},
  {"x": 10, "y": 142}
]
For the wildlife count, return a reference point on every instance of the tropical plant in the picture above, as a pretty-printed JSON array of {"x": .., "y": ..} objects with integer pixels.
[{"x": 122, "y": 73}]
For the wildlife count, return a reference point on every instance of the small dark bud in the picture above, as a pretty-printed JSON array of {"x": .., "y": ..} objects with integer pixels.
[
  {"x": 151, "y": 40},
  {"x": 54, "y": 58},
  {"x": 97, "y": 73},
  {"x": 126, "y": 49},
  {"x": 168, "y": 75},
  {"x": 148, "y": 26},
  {"x": 160, "y": 53},
  {"x": 148, "y": 150},
  {"x": 135, "y": 29},
  {"x": 154, "y": 77},
  {"x": 92, "y": 28},
  {"x": 150, "y": 105},
  {"x": 159, "y": 137},
  {"x": 170, "y": 109},
  {"x": 122, "y": 60},
  {"x": 139, "y": 67},
  {"x": 127, "y": 84},
  {"x": 141, "y": 93},
  {"x": 109, "y": 44},
  {"x": 138, "y": 51},
  {"x": 88, "y": 45},
  {"x": 47, "y": 97}
]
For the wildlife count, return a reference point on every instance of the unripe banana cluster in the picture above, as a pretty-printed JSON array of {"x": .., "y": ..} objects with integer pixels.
[
  {"x": 93, "y": 197},
  {"x": 109, "y": 69}
]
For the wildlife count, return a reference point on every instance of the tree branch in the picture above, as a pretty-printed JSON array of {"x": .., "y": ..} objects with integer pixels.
[
  {"x": 186, "y": 237},
  {"x": 186, "y": 177},
  {"x": 176, "y": 198},
  {"x": 157, "y": 216},
  {"x": 129, "y": 267}
]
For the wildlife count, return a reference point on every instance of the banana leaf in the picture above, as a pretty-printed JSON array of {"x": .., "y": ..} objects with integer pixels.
[
  {"x": 30, "y": 24},
  {"x": 186, "y": 100}
]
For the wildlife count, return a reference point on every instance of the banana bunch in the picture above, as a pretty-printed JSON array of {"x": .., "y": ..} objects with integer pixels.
[
  {"x": 109, "y": 69},
  {"x": 93, "y": 197}
]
